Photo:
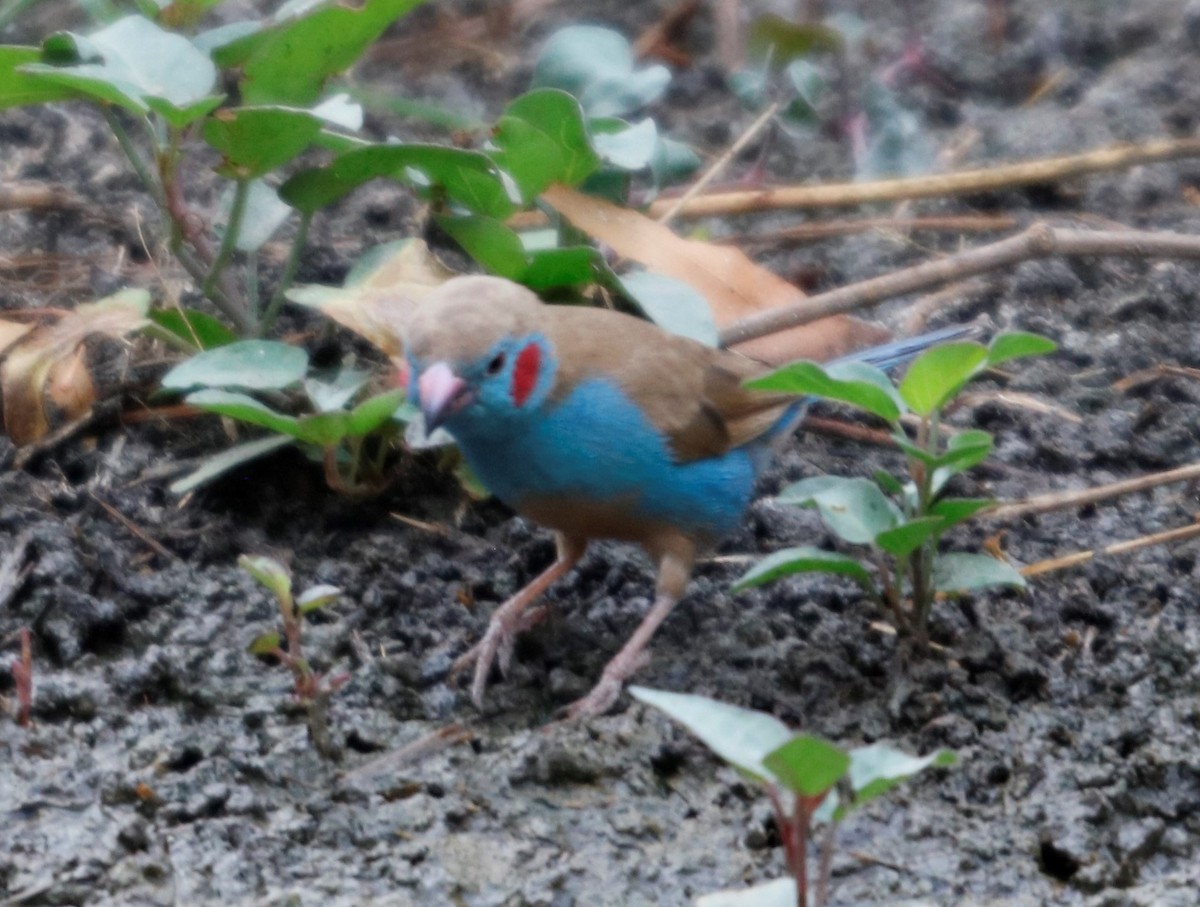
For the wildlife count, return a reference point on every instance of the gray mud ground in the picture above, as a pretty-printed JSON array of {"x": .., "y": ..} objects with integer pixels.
[{"x": 168, "y": 766}]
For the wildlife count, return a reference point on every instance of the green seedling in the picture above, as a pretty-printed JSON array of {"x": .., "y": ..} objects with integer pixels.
[
  {"x": 803, "y": 69},
  {"x": 808, "y": 780},
  {"x": 898, "y": 522},
  {"x": 350, "y": 430},
  {"x": 313, "y": 689}
]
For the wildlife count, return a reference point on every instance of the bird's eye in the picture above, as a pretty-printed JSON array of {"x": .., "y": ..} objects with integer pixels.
[{"x": 496, "y": 365}]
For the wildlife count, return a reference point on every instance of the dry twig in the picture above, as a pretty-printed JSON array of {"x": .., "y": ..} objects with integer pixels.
[
  {"x": 1038, "y": 241},
  {"x": 1064, "y": 500},
  {"x": 1081, "y": 557},
  {"x": 937, "y": 185}
]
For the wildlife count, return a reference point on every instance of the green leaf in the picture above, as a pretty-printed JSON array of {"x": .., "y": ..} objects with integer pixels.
[
  {"x": 908, "y": 537},
  {"x": 1017, "y": 345},
  {"x": 807, "y": 765},
  {"x": 541, "y": 139},
  {"x": 875, "y": 770},
  {"x": 596, "y": 65},
  {"x": 673, "y": 162},
  {"x": 374, "y": 412},
  {"x": 803, "y": 559},
  {"x": 742, "y": 737},
  {"x": 263, "y": 215},
  {"x": 671, "y": 304},
  {"x": 572, "y": 266},
  {"x": 128, "y": 62},
  {"x": 291, "y": 62},
  {"x": 628, "y": 147},
  {"x": 265, "y": 643},
  {"x": 228, "y": 460},
  {"x": 809, "y": 378},
  {"x": 955, "y": 510},
  {"x": 911, "y": 450},
  {"x": 776, "y": 893},
  {"x": 964, "y": 450},
  {"x": 18, "y": 88},
  {"x": 270, "y": 573},
  {"x": 201, "y": 330},
  {"x": 323, "y": 430},
  {"x": 889, "y": 483},
  {"x": 489, "y": 242},
  {"x": 939, "y": 373},
  {"x": 960, "y": 572},
  {"x": 316, "y": 597},
  {"x": 332, "y": 389},
  {"x": 779, "y": 41},
  {"x": 249, "y": 364},
  {"x": 256, "y": 140},
  {"x": 898, "y": 139},
  {"x": 810, "y": 87},
  {"x": 469, "y": 177},
  {"x": 245, "y": 408},
  {"x": 855, "y": 509},
  {"x": 180, "y": 117}
]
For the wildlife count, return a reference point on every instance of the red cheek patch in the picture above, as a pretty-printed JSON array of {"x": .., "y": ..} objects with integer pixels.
[{"x": 525, "y": 373}]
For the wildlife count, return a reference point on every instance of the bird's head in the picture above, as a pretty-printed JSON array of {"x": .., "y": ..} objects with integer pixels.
[{"x": 475, "y": 352}]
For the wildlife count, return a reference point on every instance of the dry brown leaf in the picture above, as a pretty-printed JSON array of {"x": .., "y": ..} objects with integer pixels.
[
  {"x": 11, "y": 332},
  {"x": 45, "y": 371},
  {"x": 733, "y": 284},
  {"x": 375, "y": 307}
]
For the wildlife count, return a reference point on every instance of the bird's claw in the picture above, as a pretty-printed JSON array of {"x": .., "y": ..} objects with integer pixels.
[
  {"x": 496, "y": 647},
  {"x": 603, "y": 697}
]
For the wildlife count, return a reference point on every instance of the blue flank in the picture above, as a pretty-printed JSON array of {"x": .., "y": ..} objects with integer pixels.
[{"x": 596, "y": 445}]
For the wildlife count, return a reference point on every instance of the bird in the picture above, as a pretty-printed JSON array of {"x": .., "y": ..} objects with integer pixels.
[{"x": 596, "y": 424}]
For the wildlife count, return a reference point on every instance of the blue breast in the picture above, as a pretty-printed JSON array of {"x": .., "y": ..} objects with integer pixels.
[{"x": 597, "y": 445}]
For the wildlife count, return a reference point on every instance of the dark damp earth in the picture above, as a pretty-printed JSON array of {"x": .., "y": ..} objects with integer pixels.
[{"x": 166, "y": 765}]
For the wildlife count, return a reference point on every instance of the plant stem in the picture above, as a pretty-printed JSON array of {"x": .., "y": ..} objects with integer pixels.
[
  {"x": 289, "y": 272},
  {"x": 825, "y": 866},
  {"x": 153, "y": 186},
  {"x": 801, "y": 825},
  {"x": 229, "y": 238}
]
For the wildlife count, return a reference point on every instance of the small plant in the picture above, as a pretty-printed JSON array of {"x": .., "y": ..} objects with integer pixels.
[
  {"x": 22, "y": 674},
  {"x": 311, "y": 688},
  {"x": 346, "y": 427},
  {"x": 806, "y": 70},
  {"x": 899, "y": 521},
  {"x": 808, "y": 780}
]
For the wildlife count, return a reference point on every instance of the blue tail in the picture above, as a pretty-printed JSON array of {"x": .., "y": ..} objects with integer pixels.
[
  {"x": 884, "y": 356},
  {"x": 898, "y": 352}
]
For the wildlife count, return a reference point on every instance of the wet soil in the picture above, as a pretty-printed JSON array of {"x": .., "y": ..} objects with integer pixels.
[{"x": 166, "y": 765}]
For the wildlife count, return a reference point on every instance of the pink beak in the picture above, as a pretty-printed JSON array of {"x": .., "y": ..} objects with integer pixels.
[{"x": 441, "y": 394}]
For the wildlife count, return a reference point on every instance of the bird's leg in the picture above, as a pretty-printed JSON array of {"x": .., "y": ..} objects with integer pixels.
[
  {"x": 674, "y": 571},
  {"x": 510, "y": 620}
]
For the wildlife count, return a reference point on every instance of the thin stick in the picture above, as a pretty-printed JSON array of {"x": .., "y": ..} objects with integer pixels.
[
  {"x": 133, "y": 527},
  {"x": 1064, "y": 500},
  {"x": 1037, "y": 241},
  {"x": 965, "y": 223},
  {"x": 964, "y": 182},
  {"x": 721, "y": 163},
  {"x": 1082, "y": 557},
  {"x": 420, "y": 748},
  {"x": 1146, "y": 375}
]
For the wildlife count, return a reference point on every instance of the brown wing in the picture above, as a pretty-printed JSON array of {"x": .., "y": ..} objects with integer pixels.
[{"x": 694, "y": 394}]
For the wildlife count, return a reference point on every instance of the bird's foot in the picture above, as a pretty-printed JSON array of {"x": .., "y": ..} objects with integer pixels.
[
  {"x": 604, "y": 694},
  {"x": 496, "y": 647}
]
